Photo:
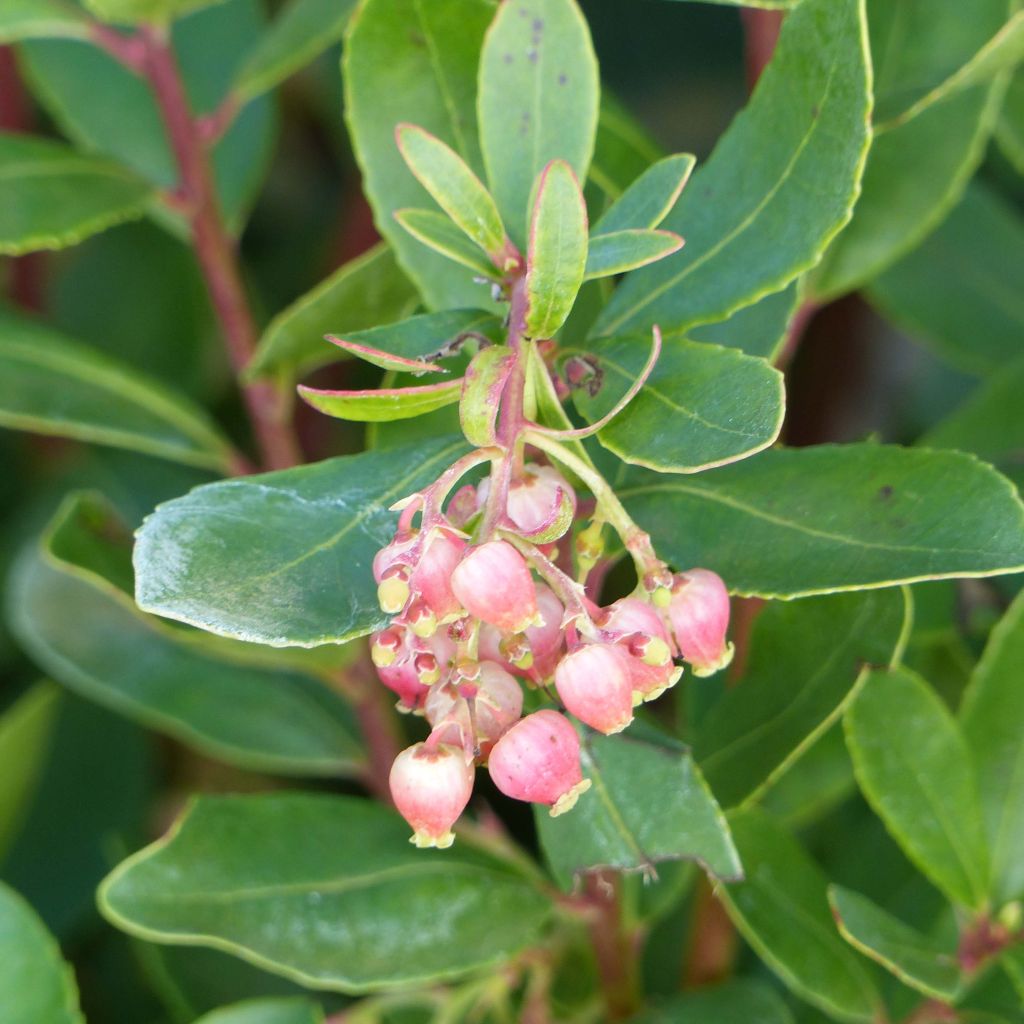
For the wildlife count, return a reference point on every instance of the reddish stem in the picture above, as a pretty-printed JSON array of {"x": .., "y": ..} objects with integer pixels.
[{"x": 615, "y": 953}]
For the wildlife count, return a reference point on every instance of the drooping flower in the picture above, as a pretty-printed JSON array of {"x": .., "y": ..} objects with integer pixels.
[
  {"x": 699, "y": 613},
  {"x": 431, "y": 785},
  {"x": 596, "y": 685},
  {"x": 493, "y": 584}
]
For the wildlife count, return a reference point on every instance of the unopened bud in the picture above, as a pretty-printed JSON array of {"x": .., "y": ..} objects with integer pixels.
[
  {"x": 498, "y": 703},
  {"x": 420, "y": 619},
  {"x": 493, "y": 583},
  {"x": 393, "y": 589},
  {"x": 428, "y": 671},
  {"x": 431, "y": 577},
  {"x": 538, "y": 760},
  {"x": 699, "y": 613},
  {"x": 384, "y": 647},
  {"x": 541, "y": 503},
  {"x": 595, "y": 684},
  {"x": 431, "y": 786},
  {"x": 397, "y": 553}
]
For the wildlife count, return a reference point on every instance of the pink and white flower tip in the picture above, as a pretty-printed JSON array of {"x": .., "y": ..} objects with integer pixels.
[
  {"x": 494, "y": 584},
  {"x": 431, "y": 785},
  {"x": 538, "y": 760},
  {"x": 595, "y": 683},
  {"x": 699, "y": 613}
]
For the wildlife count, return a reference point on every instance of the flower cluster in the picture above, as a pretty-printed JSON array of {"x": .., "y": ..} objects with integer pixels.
[{"x": 482, "y": 609}]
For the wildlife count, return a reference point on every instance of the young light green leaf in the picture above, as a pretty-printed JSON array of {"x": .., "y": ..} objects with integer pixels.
[
  {"x": 782, "y": 911},
  {"x": 740, "y": 1001},
  {"x": 437, "y": 232},
  {"x": 405, "y": 60},
  {"x": 619, "y": 251},
  {"x": 801, "y": 521},
  {"x": 960, "y": 290},
  {"x": 807, "y": 661},
  {"x": 52, "y": 385},
  {"x": 456, "y": 189},
  {"x": 537, "y": 102},
  {"x": 55, "y": 197},
  {"x": 1010, "y": 123},
  {"x": 299, "y": 33},
  {"x": 36, "y": 985},
  {"x": 650, "y": 198},
  {"x": 364, "y": 293},
  {"x": 646, "y": 804},
  {"x": 917, "y": 960},
  {"x": 557, "y": 252},
  {"x": 702, "y": 406},
  {"x": 914, "y": 768},
  {"x": 758, "y": 330},
  {"x": 283, "y": 558},
  {"x": 992, "y": 716},
  {"x": 751, "y": 226},
  {"x": 325, "y": 890},
  {"x": 266, "y": 1011},
  {"x": 41, "y": 19},
  {"x": 379, "y": 405},
  {"x": 481, "y": 394},
  {"x": 144, "y": 10}
]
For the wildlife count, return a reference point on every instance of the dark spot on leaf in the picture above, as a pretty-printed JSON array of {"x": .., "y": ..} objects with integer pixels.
[
  {"x": 584, "y": 372},
  {"x": 815, "y": 111},
  {"x": 509, "y": 58},
  {"x": 562, "y": 79},
  {"x": 417, "y": 40},
  {"x": 885, "y": 492},
  {"x": 531, "y": 56},
  {"x": 538, "y": 24}
]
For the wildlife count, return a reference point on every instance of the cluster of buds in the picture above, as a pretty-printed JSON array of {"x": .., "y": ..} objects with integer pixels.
[{"x": 481, "y": 611}]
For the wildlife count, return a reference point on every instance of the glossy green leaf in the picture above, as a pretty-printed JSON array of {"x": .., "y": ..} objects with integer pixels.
[
  {"x": 36, "y": 985},
  {"x": 650, "y": 198},
  {"x": 740, "y": 1001},
  {"x": 52, "y": 385},
  {"x": 917, "y": 960},
  {"x": 538, "y": 99},
  {"x": 25, "y": 731},
  {"x": 380, "y": 405},
  {"x": 437, "y": 232},
  {"x": 41, "y": 19},
  {"x": 752, "y": 226},
  {"x": 992, "y": 716},
  {"x": 916, "y": 172},
  {"x": 619, "y": 251},
  {"x": 405, "y": 60},
  {"x": 325, "y": 890},
  {"x": 364, "y": 293},
  {"x": 782, "y": 911},
  {"x": 144, "y": 10},
  {"x": 807, "y": 661},
  {"x": 961, "y": 290},
  {"x": 800, "y": 521},
  {"x": 702, "y": 406},
  {"x": 623, "y": 149},
  {"x": 557, "y": 253},
  {"x": 299, "y": 33},
  {"x": 915, "y": 769},
  {"x": 767, "y": 5},
  {"x": 646, "y": 804},
  {"x": 758, "y": 330},
  {"x": 266, "y": 1011},
  {"x": 1010, "y": 123},
  {"x": 283, "y": 558},
  {"x": 55, "y": 197}
]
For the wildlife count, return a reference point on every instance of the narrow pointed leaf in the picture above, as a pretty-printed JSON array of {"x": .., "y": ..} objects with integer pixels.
[
  {"x": 759, "y": 329},
  {"x": 41, "y": 19},
  {"x": 619, "y": 251},
  {"x": 915, "y": 769},
  {"x": 623, "y": 149},
  {"x": 283, "y": 558},
  {"x": 537, "y": 101},
  {"x": 437, "y": 232},
  {"x": 481, "y": 394},
  {"x": 794, "y": 522},
  {"x": 386, "y": 361},
  {"x": 558, "y": 250},
  {"x": 646, "y": 804},
  {"x": 325, "y": 890},
  {"x": 379, "y": 405},
  {"x": 144, "y": 10},
  {"x": 650, "y": 198},
  {"x": 917, "y": 960},
  {"x": 266, "y": 1011}
]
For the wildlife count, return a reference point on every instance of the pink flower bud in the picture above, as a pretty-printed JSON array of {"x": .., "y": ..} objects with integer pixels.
[
  {"x": 595, "y": 684},
  {"x": 393, "y": 589},
  {"x": 494, "y": 585},
  {"x": 546, "y": 639},
  {"x": 386, "y": 646},
  {"x": 403, "y": 679},
  {"x": 398, "y": 553},
  {"x": 540, "y": 503},
  {"x": 431, "y": 785},
  {"x": 633, "y": 615},
  {"x": 538, "y": 759},
  {"x": 431, "y": 578},
  {"x": 420, "y": 618},
  {"x": 411, "y": 665},
  {"x": 699, "y": 613},
  {"x": 498, "y": 703}
]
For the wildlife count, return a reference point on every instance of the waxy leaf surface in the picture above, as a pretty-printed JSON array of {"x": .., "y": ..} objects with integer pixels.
[
  {"x": 266, "y": 1011},
  {"x": 619, "y": 251},
  {"x": 741, "y": 1001},
  {"x": 650, "y": 198},
  {"x": 437, "y": 232},
  {"x": 380, "y": 405},
  {"x": 41, "y": 19},
  {"x": 1009, "y": 131},
  {"x": 758, "y": 329}
]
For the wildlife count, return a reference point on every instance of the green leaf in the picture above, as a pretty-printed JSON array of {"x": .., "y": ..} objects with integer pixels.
[
  {"x": 917, "y": 960},
  {"x": 405, "y": 60},
  {"x": 380, "y": 405},
  {"x": 266, "y": 1011},
  {"x": 647, "y": 804},
  {"x": 25, "y": 731},
  {"x": 741, "y": 1001},
  {"x": 1010, "y": 124},
  {"x": 325, "y": 890},
  {"x": 702, "y": 406},
  {"x": 961, "y": 290},
  {"x": 558, "y": 250},
  {"x": 914, "y": 767},
  {"x": 807, "y": 661},
  {"x": 650, "y": 198},
  {"x": 41, "y": 19},
  {"x": 752, "y": 226},
  {"x": 537, "y": 102},
  {"x": 437, "y": 232},
  {"x": 299, "y": 33},
  {"x": 619, "y": 251},
  {"x": 918, "y": 171},
  {"x": 36, "y": 985},
  {"x": 481, "y": 394},
  {"x": 782, "y": 911},
  {"x": 363, "y": 293},
  {"x": 758, "y": 330},
  {"x": 623, "y": 150},
  {"x": 992, "y": 716},
  {"x": 801, "y": 521},
  {"x": 55, "y": 197},
  {"x": 166, "y": 678},
  {"x": 767, "y": 5},
  {"x": 283, "y": 558},
  {"x": 144, "y": 10},
  {"x": 52, "y": 385}
]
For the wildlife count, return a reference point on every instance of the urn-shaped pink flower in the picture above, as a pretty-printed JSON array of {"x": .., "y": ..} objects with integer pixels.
[
  {"x": 497, "y": 705},
  {"x": 699, "y": 613},
  {"x": 596, "y": 685},
  {"x": 646, "y": 638},
  {"x": 431, "y": 786},
  {"x": 541, "y": 503},
  {"x": 494, "y": 584},
  {"x": 546, "y": 638},
  {"x": 538, "y": 759},
  {"x": 431, "y": 578}
]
